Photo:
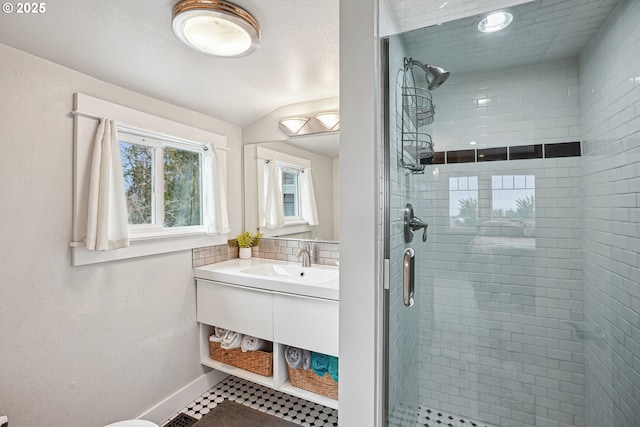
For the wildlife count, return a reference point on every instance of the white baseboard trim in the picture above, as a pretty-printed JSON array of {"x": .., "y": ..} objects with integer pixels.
[{"x": 170, "y": 406}]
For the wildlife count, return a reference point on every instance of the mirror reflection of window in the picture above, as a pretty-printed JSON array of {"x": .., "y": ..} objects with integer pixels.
[
  {"x": 513, "y": 197},
  {"x": 463, "y": 201},
  {"x": 290, "y": 193}
]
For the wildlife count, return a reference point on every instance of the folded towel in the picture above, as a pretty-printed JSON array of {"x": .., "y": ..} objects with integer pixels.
[
  {"x": 306, "y": 359},
  {"x": 297, "y": 357},
  {"x": 319, "y": 363},
  {"x": 218, "y": 334},
  {"x": 250, "y": 343},
  {"x": 231, "y": 340},
  {"x": 333, "y": 368}
]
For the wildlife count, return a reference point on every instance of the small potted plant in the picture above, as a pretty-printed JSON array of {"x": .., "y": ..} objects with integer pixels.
[{"x": 246, "y": 241}]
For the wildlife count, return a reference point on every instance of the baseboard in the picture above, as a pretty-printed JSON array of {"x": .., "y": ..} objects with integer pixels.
[{"x": 160, "y": 413}]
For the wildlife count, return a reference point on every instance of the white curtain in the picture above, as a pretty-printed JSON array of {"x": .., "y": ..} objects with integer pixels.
[
  {"x": 215, "y": 194},
  {"x": 107, "y": 221},
  {"x": 308, "y": 198},
  {"x": 270, "y": 204}
]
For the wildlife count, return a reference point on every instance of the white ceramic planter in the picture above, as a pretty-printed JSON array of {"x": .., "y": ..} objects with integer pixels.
[{"x": 245, "y": 253}]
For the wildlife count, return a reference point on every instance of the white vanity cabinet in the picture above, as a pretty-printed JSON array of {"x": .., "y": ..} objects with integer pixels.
[
  {"x": 306, "y": 322},
  {"x": 285, "y": 319},
  {"x": 236, "y": 308}
]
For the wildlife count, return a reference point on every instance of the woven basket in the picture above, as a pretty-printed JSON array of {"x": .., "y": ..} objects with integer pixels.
[
  {"x": 258, "y": 362},
  {"x": 308, "y": 380}
]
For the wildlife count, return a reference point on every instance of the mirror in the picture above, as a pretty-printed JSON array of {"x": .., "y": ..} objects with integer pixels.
[{"x": 321, "y": 153}]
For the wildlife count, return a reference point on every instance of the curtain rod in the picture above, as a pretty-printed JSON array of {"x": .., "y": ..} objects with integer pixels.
[
  {"x": 145, "y": 132},
  {"x": 289, "y": 165}
]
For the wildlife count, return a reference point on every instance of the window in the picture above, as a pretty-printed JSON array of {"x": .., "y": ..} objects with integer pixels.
[
  {"x": 463, "y": 201},
  {"x": 290, "y": 193},
  {"x": 163, "y": 184},
  {"x": 285, "y": 195},
  {"x": 513, "y": 197},
  {"x": 175, "y": 187}
]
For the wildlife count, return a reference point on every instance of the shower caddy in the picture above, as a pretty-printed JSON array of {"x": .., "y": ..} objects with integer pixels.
[{"x": 417, "y": 111}]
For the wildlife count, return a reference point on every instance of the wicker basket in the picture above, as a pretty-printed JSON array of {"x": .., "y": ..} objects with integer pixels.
[
  {"x": 308, "y": 380},
  {"x": 258, "y": 362}
]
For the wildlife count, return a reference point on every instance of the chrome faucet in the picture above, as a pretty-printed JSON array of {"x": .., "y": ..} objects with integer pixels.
[{"x": 305, "y": 253}]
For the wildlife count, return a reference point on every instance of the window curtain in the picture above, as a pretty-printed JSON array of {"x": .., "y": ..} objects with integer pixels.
[
  {"x": 107, "y": 221},
  {"x": 308, "y": 198},
  {"x": 270, "y": 205},
  {"x": 215, "y": 194}
]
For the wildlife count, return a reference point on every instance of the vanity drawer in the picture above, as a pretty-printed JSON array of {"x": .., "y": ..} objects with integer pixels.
[
  {"x": 305, "y": 322},
  {"x": 249, "y": 311}
]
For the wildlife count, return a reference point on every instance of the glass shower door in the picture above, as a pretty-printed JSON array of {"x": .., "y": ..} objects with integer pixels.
[{"x": 403, "y": 263}]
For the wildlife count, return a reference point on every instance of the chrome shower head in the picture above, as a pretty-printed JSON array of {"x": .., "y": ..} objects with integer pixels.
[{"x": 435, "y": 76}]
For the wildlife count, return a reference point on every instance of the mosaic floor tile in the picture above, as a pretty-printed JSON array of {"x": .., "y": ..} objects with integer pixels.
[{"x": 264, "y": 399}]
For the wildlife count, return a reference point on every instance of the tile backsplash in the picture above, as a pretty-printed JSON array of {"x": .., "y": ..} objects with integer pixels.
[{"x": 323, "y": 253}]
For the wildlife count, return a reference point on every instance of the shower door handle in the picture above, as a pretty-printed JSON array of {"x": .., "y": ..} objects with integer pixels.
[{"x": 408, "y": 277}]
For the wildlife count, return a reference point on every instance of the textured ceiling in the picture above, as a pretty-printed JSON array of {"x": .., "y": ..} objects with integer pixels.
[
  {"x": 131, "y": 44},
  {"x": 543, "y": 30}
]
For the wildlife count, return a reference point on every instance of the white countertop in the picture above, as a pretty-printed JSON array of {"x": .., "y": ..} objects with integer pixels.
[{"x": 305, "y": 284}]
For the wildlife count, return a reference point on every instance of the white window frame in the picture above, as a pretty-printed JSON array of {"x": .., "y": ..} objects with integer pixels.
[
  {"x": 293, "y": 225},
  {"x": 158, "y": 143},
  {"x": 88, "y": 110},
  {"x": 283, "y": 167}
]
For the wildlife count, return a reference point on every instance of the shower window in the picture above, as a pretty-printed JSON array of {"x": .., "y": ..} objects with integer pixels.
[
  {"x": 513, "y": 197},
  {"x": 463, "y": 201},
  {"x": 511, "y": 228}
]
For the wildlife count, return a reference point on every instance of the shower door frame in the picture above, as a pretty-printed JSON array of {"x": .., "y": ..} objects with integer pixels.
[{"x": 384, "y": 379}]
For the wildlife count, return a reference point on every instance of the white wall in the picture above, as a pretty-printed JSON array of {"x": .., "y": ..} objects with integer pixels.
[
  {"x": 82, "y": 346},
  {"x": 610, "y": 94},
  {"x": 360, "y": 205}
]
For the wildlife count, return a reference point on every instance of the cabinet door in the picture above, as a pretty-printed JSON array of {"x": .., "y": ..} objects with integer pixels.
[
  {"x": 249, "y": 311},
  {"x": 308, "y": 323}
]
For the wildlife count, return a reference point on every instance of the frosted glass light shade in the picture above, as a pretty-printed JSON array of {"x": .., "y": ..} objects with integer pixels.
[
  {"x": 294, "y": 124},
  {"x": 329, "y": 119},
  {"x": 216, "y": 27}
]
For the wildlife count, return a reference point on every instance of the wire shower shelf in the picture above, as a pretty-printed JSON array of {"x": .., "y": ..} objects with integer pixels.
[{"x": 417, "y": 111}]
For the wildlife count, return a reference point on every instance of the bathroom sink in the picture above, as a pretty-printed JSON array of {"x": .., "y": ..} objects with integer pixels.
[
  {"x": 319, "y": 281},
  {"x": 313, "y": 274}
]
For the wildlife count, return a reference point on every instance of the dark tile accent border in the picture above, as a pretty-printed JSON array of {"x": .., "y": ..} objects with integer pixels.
[
  {"x": 461, "y": 156},
  {"x": 438, "y": 158},
  {"x": 492, "y": 154},
  {"x": 526, "y": 152},
  {"x": 517, "y": 152},
  {"x": 565, "y": 149}
]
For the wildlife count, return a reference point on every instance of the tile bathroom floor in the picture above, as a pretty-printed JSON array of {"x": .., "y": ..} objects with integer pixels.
[{"x": 264, "y": 399}]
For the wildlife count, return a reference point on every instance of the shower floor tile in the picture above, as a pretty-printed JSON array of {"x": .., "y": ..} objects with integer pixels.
[
  {"x": 264, "y": 399},
  {"x": 434, "y": 418}
]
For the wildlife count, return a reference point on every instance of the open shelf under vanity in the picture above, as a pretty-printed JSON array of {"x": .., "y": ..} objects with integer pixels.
[{"x": 280, "y": 379}]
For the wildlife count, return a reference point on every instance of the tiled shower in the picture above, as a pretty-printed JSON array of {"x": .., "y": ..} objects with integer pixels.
[{"x": 528, "y": 293}]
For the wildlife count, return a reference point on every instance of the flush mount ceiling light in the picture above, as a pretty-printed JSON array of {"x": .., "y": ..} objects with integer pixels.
[
  {"x": 495, "y": 21},
  {"x": 216, "y": 27},
  {"x": 329, "y": 119}
]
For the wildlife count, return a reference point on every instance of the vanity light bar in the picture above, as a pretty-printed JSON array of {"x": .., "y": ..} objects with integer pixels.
[{"x": 321, "y": 122}]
